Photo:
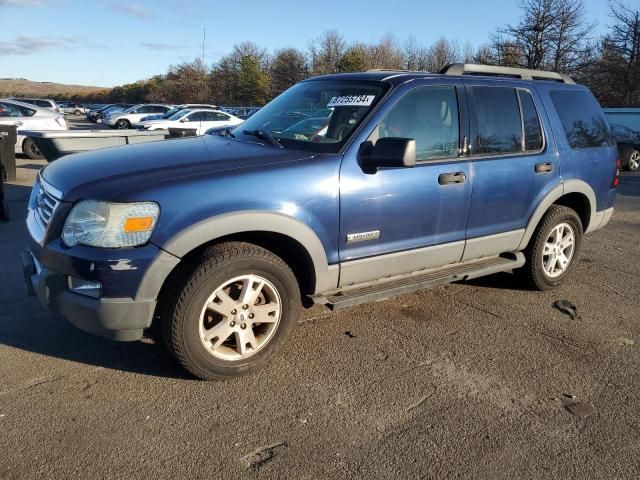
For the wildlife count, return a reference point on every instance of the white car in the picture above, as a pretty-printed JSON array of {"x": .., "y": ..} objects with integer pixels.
[
  {"x": 200, "y": 120},
  {"x": 130, "y": 117},
  {"x": 39, "y": 102},
  {"x": 29, "y": 117}
]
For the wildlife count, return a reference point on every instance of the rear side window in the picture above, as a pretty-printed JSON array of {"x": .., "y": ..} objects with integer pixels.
[
  {"x": 532, "y": 129},
  {"x": 499, "y": 123},
  {"x": 582, "y": 119},
  {"x": 43, "y": 103}
]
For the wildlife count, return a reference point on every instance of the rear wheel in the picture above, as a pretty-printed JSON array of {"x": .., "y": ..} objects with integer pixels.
[
  {"x": 123, "y": 124},
  {"x": 634, "y": 161},
  {"x": 553, "y": 250},
  {"x": 77, "y": 113},
  {"x": 30, "y": 150},
  {"x": 231, "y": 311}
]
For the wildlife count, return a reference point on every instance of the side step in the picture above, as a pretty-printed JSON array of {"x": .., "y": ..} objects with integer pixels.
[{"x": 388, "y": 287}]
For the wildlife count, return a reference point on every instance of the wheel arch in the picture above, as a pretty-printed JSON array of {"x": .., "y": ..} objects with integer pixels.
[
  {"x": 295, "y": 242},
  {"x": 575, "y": 194}
]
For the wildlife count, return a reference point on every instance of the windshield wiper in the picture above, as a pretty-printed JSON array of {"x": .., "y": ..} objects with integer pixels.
[
  {"x": 223, "y": 132},
  {"x": 264, "y": 135}
]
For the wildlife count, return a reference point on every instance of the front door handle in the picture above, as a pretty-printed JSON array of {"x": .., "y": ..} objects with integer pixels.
[
  {"x": 451, "y": 178},
  {"x": 544, "y": 167}
]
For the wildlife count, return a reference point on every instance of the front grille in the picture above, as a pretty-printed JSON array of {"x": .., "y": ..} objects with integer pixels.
[{"x": 45, "y": 206}]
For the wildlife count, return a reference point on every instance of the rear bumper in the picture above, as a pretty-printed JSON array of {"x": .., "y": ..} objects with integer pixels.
[{"x": 121, "y": 319}]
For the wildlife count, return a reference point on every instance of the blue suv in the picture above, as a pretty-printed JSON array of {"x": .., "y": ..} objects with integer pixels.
[{"x": 344, "y": 189}]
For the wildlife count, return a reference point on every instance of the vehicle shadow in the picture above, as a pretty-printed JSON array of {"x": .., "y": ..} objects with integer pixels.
[
  {"x": 25, "y": 325},
  {"x": 629, "y": 184},
  {"x": 502, "y": 281}
]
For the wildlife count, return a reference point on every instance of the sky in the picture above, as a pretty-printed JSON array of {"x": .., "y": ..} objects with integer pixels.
[{"x": 110, "y": 42}]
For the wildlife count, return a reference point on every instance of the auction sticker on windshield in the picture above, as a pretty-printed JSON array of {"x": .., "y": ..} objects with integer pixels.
[{"x": 352, "y": 101}]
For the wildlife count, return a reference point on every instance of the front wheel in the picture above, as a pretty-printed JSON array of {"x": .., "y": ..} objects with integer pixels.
[
  {"x": 554, "y": 249},
  {"x": 231, "y": 311},
  {"x": 30, "y": 150},
  {"x": 123, "y": 124},
  {"x": 634, "y": 161}
]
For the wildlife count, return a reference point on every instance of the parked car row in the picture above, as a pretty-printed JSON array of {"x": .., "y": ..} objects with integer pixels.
[
  {"x": 96, "y": 115},
  {"x": 27, "y": 116},
  {"x": 201, "y": 119}
]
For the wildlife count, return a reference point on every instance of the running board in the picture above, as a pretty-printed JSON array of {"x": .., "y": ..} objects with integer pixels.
[{"x": 382, "y": 289}]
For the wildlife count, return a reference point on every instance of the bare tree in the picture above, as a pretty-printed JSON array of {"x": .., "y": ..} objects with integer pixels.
[
  {"x": 287, "y": 66},
  {"x": 326, "y": 51},
  {"x": 442, "y": 53}
]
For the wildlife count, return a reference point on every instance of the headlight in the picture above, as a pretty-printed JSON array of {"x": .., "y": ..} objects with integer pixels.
[{"x": 110, "y": 225}]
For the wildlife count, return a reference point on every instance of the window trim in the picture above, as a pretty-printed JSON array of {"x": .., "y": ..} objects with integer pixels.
[{"x": 540, "y": 124}]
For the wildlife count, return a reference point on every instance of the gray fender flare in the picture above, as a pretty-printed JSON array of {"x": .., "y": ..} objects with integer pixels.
[
  {"x": 569, "y": 186},
  {"x": 257, "y": 221}
]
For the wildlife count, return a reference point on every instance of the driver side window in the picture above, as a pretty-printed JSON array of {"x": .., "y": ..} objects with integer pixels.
[{"x": 429, "y": 115}]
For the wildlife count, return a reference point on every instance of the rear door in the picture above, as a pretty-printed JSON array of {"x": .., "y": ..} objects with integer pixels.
[{"x": 514, "y": 163}]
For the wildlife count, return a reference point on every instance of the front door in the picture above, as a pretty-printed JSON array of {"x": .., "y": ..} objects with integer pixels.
[{"x": 400, "y": 220}]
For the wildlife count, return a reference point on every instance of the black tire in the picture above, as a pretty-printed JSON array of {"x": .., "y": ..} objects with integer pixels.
[
  {"x": 30, "y": 150},
  {"x": 181, "y": 317},
  {"x": 77, "y": 113},
  {"x": 123, "y": 124},
  {"x": 533, "y": 272},
  {"x": 633, "y": 164}
]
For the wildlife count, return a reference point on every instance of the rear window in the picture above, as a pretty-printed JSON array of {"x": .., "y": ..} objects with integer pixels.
[
  {"x": 532, "y": 129},
  {"x": 499, "y": 122},
  {"x": 582, "y": 119}
]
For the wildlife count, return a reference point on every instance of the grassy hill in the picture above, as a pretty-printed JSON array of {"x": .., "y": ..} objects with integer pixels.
[{"x": 22, "y": 87}]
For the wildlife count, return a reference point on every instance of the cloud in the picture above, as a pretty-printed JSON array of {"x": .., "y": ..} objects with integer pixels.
[
  {"x": 131, "y": 10},
  {"x": 160, "y": 46},
  {"x": 27, "y": 45},
  {"x": 20, "y": 3}
]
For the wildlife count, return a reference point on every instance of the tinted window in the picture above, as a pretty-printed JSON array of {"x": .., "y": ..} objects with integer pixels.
[
  {"x": 428, "y": 115},
  {"x": 196, "y": 117},
  {"x": 43, "y": 103},
  {"x": 532, "y": 130},
  {"x": 583, "y": 121},
  {"x": 216, "y": 117},
  {"x": 499, "y": 125},
  {"x": 11, "y": 110}
]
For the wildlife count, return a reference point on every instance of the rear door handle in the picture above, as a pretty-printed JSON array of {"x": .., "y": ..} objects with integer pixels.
[
  {"x": 451, "y": 178},
  {"x": 544, "y": 167}
]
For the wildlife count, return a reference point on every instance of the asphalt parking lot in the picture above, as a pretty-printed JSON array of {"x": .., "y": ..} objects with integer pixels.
[{"x": 477, "y": 380}]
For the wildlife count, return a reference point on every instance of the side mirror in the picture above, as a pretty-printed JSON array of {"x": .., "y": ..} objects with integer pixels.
[{"x": 390, "y": 152}]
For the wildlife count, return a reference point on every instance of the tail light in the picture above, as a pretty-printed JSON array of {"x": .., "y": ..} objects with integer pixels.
[
  {"x": 616, "y": 178},
  {"x": 60, "y": 121}
]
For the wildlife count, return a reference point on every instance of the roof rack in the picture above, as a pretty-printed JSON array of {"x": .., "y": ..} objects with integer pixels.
[{"x": 523, "y": 73}]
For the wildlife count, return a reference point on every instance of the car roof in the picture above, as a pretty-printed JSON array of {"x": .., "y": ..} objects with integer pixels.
[{"x": 29, "y": 105}]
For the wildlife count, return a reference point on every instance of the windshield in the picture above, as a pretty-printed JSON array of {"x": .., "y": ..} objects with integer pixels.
[
  {"x": 335, "y": 107},
  {"x": 170, "y": 113},
  {"x": 179, "y": 114}
]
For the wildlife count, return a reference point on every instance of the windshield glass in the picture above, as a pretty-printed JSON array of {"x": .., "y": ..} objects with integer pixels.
[
  {"x": 170, "y": 113},
  {"x": 317, "y": 115},
  {"x": 179, "y": 114}
]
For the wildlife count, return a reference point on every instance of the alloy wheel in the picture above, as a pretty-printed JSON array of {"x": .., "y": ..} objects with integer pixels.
[
  {"x": 558, "y": 250},
  {"x": 240, "y": 317}
]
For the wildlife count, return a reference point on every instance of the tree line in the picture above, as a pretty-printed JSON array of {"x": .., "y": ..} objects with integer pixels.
[{"x": 552, "y": 35}]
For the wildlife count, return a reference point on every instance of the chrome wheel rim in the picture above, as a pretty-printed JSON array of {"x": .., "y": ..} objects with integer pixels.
[
  {"x": 634, "y": 160},
  {"x": 122, "y": 125},
  {"x": 240, "y": 317},
  {"x": 558, "y": 250}
]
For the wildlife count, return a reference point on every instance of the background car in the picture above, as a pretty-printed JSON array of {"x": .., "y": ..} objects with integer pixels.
[
  {"x": 72, "y": 108},
  {"x": 132, "y": 116},
  {"x": 628, "y": 141},
  {"x": 96, "y": 116},
  {"x": 199, "y": 120},
  {"x": 39, "y": 102},
  {"x": 177, "y": 108},
  {"x": 26, "y": 116}
]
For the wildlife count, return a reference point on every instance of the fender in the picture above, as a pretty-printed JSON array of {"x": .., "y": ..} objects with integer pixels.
[
  {"x": 257, "y": 221},
  {"x": 568, "y": 186}
]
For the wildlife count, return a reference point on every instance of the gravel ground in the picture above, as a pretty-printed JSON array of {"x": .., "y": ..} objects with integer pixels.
[{"x": 476, "y": 380}]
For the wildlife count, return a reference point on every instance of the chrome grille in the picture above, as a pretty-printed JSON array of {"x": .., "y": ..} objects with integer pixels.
[{"x": 45, "y": 206}]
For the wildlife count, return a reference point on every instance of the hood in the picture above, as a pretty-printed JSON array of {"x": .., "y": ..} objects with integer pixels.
[{"x": 105, "y": 174}]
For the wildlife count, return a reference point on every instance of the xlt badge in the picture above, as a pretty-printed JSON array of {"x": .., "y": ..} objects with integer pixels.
[{"x": 363, "y": 236}]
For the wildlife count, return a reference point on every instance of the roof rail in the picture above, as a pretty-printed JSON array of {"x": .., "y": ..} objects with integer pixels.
[
  {"x": 523, "y": 73},
  {"x": 391, "y": 70}
]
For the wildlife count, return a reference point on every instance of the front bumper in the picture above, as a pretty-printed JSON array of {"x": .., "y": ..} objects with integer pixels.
[{"x": 114, "y": 318}]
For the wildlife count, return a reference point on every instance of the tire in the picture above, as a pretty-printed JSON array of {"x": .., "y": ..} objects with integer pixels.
[
  {"x": 634, "y": 161},
  {"x": 123, "y": 124},
  {"x": 77, "y": 113},
  {"x": 215, "y": 279},
  {"x": 30, "y": 150},
  {"x": 534, "y": 272}
]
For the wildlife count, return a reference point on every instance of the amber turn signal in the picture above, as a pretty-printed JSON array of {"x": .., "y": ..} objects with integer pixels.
[{"x": 137, "y": 224}]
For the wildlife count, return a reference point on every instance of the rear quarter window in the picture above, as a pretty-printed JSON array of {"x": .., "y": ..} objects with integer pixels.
[{"x": 582, "y": 119}]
